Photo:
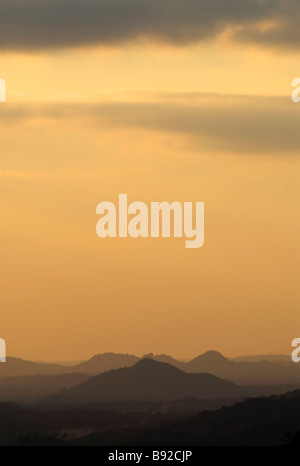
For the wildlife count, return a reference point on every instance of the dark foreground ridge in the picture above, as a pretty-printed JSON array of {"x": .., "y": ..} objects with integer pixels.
[{"x": 272, "y": 421}]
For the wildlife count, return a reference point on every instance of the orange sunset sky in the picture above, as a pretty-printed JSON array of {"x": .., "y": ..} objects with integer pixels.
[{"x": 182, "y": 100}]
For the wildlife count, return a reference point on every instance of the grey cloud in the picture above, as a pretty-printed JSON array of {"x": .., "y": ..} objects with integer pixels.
[
  {"x": 220, "y": 123},
  {"x": 39, "y": 24}
]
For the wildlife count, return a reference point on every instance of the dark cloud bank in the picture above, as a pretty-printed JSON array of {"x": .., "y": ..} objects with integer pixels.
[
  {"x": 39, "y": 24},
  {"x": 239, "y": 124}
]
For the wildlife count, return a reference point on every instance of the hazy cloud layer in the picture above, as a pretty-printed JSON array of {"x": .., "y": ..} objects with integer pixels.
[
  {"x": 238, "y": 124},
  {"x": 38, "y": 24}
]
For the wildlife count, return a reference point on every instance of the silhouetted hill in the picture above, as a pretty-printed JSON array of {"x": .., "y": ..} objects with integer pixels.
[
  {"x": 206, "y": 361},
  {"x": 272, "y": 421},
  {"x": 148, "y": 380},
  {"x": 240, "y": 372},
  {"x": 254, "y": 422},
  {"x": 106, "y": 362},
  {"x": 16, "y": 367},
  {"x": 256, "y": 373},
  {"x": 165, "y": 358},
  {"x": 282, "y": 358},
  {"x": 35, "y": 387}
]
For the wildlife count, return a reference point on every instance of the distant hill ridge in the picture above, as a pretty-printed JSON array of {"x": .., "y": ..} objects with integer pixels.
[
  {"x": 212, "y": 362},
  {"x": 148, "y": 380}
]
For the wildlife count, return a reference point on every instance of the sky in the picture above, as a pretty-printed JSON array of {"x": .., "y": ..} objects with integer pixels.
[{"x": 170, "y": 100}]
